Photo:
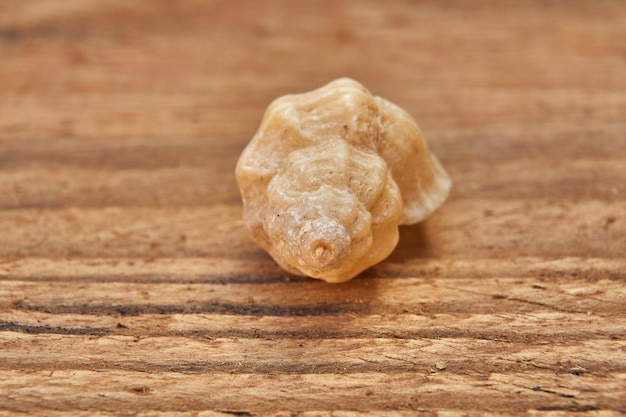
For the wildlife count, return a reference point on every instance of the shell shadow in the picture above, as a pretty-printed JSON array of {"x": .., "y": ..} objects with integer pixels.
[{"x": 413, "y": 244}]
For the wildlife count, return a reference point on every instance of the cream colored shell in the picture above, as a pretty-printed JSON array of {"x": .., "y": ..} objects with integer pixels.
[{"x": 330, "y": 175}]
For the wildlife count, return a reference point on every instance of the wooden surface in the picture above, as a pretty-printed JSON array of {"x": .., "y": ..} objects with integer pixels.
[{"x": 127, "y": 285}]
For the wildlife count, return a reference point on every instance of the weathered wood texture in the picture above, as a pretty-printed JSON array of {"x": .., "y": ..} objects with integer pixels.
[{"x": 127, "y": 285}]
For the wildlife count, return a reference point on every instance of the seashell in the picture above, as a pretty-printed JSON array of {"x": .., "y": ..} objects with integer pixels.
[{"x": 330, "y": 175}]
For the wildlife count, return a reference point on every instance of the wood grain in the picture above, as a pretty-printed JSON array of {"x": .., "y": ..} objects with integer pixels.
[{"x": 127, "y": 283}]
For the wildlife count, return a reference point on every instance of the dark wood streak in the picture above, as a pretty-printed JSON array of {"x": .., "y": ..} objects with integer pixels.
[
  {"x": 320, "y": 333},
  {"x": 210, "y": 307}
]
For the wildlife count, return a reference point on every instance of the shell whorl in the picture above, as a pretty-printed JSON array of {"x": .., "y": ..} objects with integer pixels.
[
  {"x": 321, "y": 244},
  {"x": 321, "y": 206},
  {"x": 330, "y": 175}
]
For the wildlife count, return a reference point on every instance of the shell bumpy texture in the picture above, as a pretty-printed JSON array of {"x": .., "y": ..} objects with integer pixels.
[{"x": 330, "y": 175}]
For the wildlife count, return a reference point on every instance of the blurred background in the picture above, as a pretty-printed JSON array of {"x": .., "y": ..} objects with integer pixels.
[{"x": 115, "y": 103}]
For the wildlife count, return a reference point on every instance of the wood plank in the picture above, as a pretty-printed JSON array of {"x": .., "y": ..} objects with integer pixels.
[
  {"x": 296, "y": 356},
  {"x": 232, "y": 270},
  {"x": 542, "y": 325},
  {"x": 197, "y": 186},
  {"x": 459, "y": 146},
  {"x": 461, "y": 229},
  {"x": 127, "y": 283},
  {"x": 419, "y": 295},
  {"x": 138, "y": 391}
]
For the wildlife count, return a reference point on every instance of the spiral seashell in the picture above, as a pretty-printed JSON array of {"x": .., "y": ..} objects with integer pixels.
[{"x": 330, "y": 175}]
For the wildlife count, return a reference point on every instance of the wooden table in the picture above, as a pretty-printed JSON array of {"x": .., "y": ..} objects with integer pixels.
[{"x": 127, "y": 283}]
